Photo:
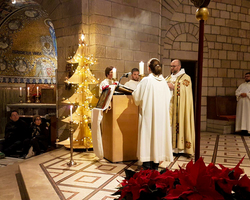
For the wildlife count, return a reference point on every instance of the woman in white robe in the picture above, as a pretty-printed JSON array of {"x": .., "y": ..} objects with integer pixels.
[{"x": 152, "y": 95}]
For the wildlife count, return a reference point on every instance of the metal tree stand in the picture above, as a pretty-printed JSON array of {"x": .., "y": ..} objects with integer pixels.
[{"x": 71, "y": 162}]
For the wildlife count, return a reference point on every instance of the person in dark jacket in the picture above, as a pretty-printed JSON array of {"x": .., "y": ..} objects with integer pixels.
[
  {"x": 39, "y": 134},
  {"x": 15, "y": 134}
]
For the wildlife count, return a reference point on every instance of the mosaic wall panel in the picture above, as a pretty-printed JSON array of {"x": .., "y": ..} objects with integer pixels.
[{"x": 28, "y": 51}]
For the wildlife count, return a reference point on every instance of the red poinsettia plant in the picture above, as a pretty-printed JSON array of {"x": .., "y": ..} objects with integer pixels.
[{"x": 196, "y": 182}]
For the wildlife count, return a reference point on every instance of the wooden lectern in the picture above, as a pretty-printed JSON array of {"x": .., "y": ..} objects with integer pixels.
[{"x": 120, "y": 129}]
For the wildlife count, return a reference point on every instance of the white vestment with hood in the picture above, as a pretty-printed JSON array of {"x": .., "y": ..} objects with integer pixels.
[{"x": 152, "y": 95}]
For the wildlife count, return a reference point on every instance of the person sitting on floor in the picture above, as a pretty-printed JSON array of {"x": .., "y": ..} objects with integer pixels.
[
  {"x": 15, "y": 134},
  {"x": 39, "y": 134}
]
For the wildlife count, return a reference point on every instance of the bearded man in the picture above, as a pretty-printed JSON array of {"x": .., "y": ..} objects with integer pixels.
[{"x": 181, "y": 110}]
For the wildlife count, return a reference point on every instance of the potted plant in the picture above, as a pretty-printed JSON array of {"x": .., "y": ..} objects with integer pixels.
[{"x": 196, "y": 182}]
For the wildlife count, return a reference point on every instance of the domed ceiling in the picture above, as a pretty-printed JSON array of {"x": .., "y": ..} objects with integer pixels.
[{"x": 28, "y": 52}]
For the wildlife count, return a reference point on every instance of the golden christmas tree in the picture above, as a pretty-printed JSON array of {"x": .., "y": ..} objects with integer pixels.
[{"x": 82, "y": 98}]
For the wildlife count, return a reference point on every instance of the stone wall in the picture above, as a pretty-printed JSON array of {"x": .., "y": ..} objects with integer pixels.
[
  {"x": 123, "y": 33},
  {"x": 226, "y": 40}
]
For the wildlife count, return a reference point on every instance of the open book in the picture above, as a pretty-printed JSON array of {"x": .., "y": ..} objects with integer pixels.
[{"x": 123, "y": 89}]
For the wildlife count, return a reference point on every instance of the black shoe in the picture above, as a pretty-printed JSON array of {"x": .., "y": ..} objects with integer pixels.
[
  {"x": 245, "y": 133},
  {"x": 155, "y": 166},
  {"x": 146, "y": 165}
]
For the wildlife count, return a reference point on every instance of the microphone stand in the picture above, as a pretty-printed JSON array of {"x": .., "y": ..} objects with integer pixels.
[{"x": 124, "y": 75}]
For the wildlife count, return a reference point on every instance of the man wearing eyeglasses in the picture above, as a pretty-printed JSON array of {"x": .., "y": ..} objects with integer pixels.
[
  {"x": 243, "y": 107},
  {"x": 181, "y": 110}
]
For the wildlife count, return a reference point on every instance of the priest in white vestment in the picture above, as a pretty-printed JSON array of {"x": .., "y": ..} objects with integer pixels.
[
  {"x": 181, "y": 110},
  {"x": 152, "y": 95},
  {"x": 243, "y": 106},
  {"x": 134, "y": 79},
  {"x": 108, "y": 80}
]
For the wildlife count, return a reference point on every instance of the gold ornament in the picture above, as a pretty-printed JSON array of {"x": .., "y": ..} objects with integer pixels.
[{"x": 202, "y": 14}]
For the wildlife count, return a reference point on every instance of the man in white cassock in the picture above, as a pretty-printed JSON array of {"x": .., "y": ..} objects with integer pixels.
[
  {"x": 243, "y": 106},
  {"x": 108, "y": 80},
  {"x": 152, "y": 95},
  {"x": 134, "y": 79}
]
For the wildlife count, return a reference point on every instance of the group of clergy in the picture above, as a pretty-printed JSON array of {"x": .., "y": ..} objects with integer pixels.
[
  {"x": 166, "y": 119},
  {"x": 132, "y": 83}
]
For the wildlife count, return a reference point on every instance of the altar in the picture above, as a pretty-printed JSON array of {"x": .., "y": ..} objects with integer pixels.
[{"x": 120, "y": 129}]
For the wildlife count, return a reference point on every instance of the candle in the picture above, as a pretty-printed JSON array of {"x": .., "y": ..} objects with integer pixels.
[
  {"x": 37, "y": 91},
  {"x": 82, "y": 37},
  {"x": 141, "y": 68},
  {"x": 28, "y": 91},
  {"x": 71, "y": 113},
  {"x": 21, "y": 92},
  {"x": 114, "y": 73}
]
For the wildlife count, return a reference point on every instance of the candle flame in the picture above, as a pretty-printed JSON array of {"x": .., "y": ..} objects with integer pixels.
[{"x": 82, "y": 37}]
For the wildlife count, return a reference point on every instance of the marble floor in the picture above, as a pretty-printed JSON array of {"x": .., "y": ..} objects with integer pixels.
[{"x": 49, "y": 177}]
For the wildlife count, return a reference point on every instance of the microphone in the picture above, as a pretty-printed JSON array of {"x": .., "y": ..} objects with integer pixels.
[{"x": 126, "y": 74}]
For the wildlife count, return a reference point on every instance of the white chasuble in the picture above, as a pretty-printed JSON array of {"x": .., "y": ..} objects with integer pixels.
[
  {"x": 243, "y": 108},
  {"x": 152, "y": 95},
  {"x": 182, "y": 113}
]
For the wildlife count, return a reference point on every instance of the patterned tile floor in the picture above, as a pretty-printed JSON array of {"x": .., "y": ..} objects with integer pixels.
[
  {"x": 94, "y": 179},
  {"x": 9, "y": 161}
]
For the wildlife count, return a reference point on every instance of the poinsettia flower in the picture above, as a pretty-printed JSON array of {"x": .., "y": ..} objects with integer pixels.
[
  {"x": 226, "y": 178},
  {"x": 140, "y": 182},
  {"x": 244, "y": 182},
  {"x": 195, "y": 183},
  {"x": 237, "y": 171},
  {"x": 220, "y": 177},
  {"x": 213, "y": 171},
  {"x": 166, "y": 180},
  {"x": 131, "y": 186}
]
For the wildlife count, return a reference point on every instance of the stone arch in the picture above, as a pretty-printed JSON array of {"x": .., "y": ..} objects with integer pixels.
[
  {"x": 187, "y": 35},
  {"x": 179, "y": 29}
]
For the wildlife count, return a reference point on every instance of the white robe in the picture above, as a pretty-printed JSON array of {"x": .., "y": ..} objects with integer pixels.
[
  {"x": 96, "y": 119},
  {"x": 152, "y": 95},
  {"x": 243, "y": 108},
  {"x": 104, "y": 83},
  {"x": 132, "y": 84}
]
